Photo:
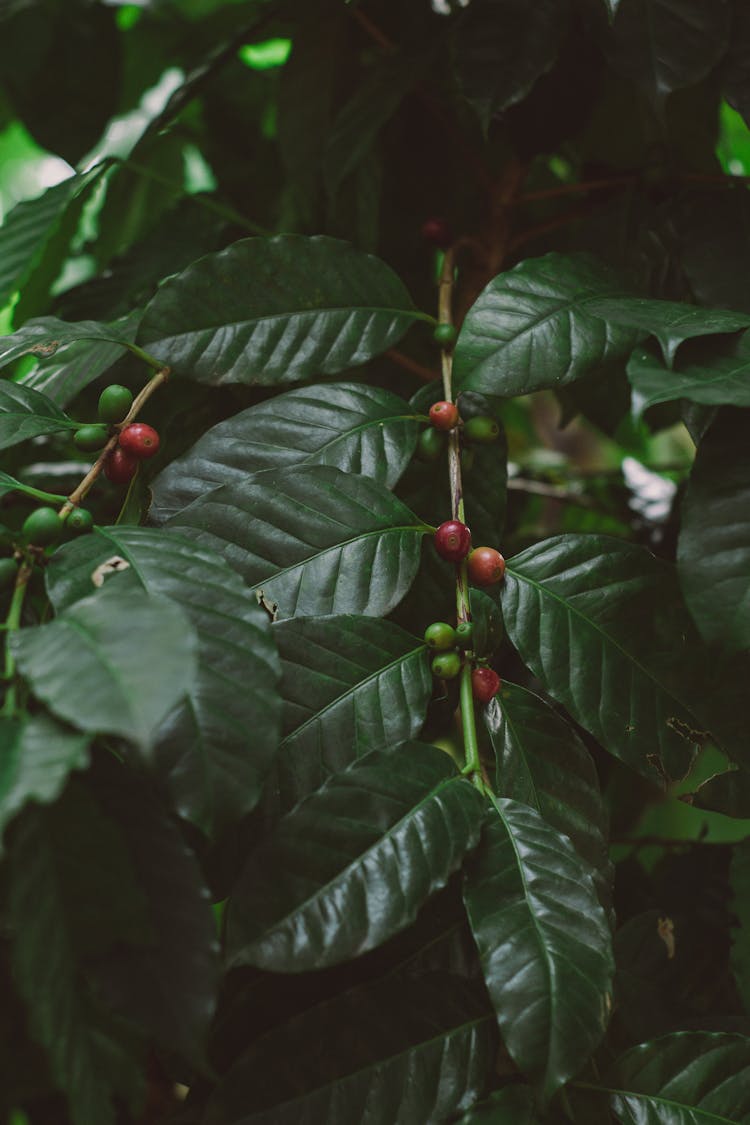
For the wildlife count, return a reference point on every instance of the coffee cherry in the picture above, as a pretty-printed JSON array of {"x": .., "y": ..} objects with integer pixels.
[
  {"x": 8, "y": 572},
  {"x": 485, "y": 684},
  {"x": 114, "y": 403},
  {"x": 80, "y": 521},
  {"x": 42, "y": 527},
  {"x": 140, "y": 440},
  {"x": 90, "y": 438},
  {"x": 453, "y": 540},
  {"x": 464, "y": 634},
  {"x": 440, "y": 636},
  {"x": 481, "y": 430},
  {"x": 486, "y": 566},
  {"x": 437, "y": 232},
  {"x": 445, "y": 335},
  {"x": 430, "y": 445},
  {"x": 120, "y": 466},
  {"x": 444, "y": 415},
  {"x": 446, "y": 665}
]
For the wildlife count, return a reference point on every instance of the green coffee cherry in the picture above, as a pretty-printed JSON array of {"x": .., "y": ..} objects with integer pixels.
[
  {"x": 445, "y": 335},
  {"x": 91, "y": 438},
  {"x": 8, "y": 572},
  {"x": 481, "y": 430},
  {"x": 430, "y": 445},
  {"x": 80, "y": 521},
  {"x": 440, "y": 636},
  {"x": 464, "y": 634},
  {"x": 114, "y": 403},
  {"x": 446, "y": 665},
  {"x": 42, "y": 527}
]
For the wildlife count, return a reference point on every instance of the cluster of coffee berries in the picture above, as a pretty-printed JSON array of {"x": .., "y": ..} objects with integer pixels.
[
  {"x": 43, "y": 527},
  {"x": 444, "y": 416},
  {"x": 485, "y": 566},
  {"x": 449, "y": 645},
  {"x": 135, "y": 443}
]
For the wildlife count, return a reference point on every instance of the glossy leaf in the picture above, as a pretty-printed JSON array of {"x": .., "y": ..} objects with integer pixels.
[
  {"x": 216, "y": 748},
  {"x": 690, "y": 1078},
  {"x": 350, "y": 684},
  {"x": 26, "y": 414},
  {"x": 602, "y": 625},
  {"x": 43, "y": 336},
  {"x": 514, "y": 1105},
  {"x": 423, "y": 1051},
  {"x": 351, "y": 426},
  {"x": 350, "y": 866},
  {"x": 740, "y": 882},
  {"x": 113, "y": 663},
  {"x": 719, "y": 378},
  {"x": 314, "y": 539},
  {"x": 540, "y": 761},
  {"x": 37, "y": 754},
  {"x": 713, "y": 553},
  {"x": 532, "y": 327},
  {"x": 544, "y": 943},
  {"x": 270, "y": 311},
  {"x": 669, "y": 321}
]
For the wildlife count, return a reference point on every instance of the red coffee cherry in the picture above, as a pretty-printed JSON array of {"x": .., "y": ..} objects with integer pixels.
[
  {"x": 486, "y": 566},
  {"x": 485, "y": 684},
  {"x": 139, "y": 440},
  {"x": 444, "y": 415},
  {"x": 453, "y": 540},
  {"x": 437, "y": 231},
  {"x": 120, "y": 466}
]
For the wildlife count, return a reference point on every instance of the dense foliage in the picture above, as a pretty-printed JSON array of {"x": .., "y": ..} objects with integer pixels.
[{"x": 275, "y": 847}]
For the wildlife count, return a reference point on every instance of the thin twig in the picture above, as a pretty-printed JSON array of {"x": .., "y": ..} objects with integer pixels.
[{"x": 410, "y": 364}]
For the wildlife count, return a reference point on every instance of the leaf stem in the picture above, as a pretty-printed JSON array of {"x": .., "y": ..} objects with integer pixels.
[{"x": 12, "y": 624}]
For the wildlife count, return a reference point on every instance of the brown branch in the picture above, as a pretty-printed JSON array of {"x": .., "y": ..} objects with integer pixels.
[
  {"x": 571, "y": 189},
  {"x": 545, "y": 228},
  {"x": 410, "y": 364}
]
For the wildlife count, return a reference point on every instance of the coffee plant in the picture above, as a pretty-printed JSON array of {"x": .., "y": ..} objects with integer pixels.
[{"x": 375, "y": 562}]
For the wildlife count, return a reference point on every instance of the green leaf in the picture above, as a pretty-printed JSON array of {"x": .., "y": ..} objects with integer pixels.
[
  {"x": 270, "y": 311},
  {"x": 10, "y": 484},
  {"x": 515, "y": 1105},
  {"x": 216, "y": 748},
  {"x": 544, "y": 943},
  {"x": 331, "y": 883},
  {"x": 502, "y": 47},
  {"x": 43, "y": 336},
  {"x": 404, "y": 1049},
  {"x": 115, "y": 663},
  {"x": 353, "y": 427},
  {"x": 350, "y": 684},
  {"x": 313, "y": 539},
  {"x": 72, "y": 897},
  {"x": 540, "y": 761},
  {"x": 718, "y": 378},
  {"x": 739, "y": 877},
  {"x": 532, "y": 327},
  {"x": 663, "y": 46},
  {"x": 671, "y": 322},
  {"x": 713, "y": 553},
  {"x": 26, "y": 414},
  {"x": 689, "y": 1078},
  {"x": 602, "y": 625},
  {"x": 36, "y": 756}
]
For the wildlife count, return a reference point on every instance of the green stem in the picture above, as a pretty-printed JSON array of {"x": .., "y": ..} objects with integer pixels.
[
  {"x": 469, "y": 728},
  {"x": 38, "y": 494},
  {"x": 12, "y": 624},
  {"x": 147, "y": 358}
]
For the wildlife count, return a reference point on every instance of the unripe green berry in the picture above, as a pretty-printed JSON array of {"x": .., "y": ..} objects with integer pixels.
[
  {"x": 8, "y": 572},
  {"x": 80, "y": 521},
  {"x": 431, "y": 445},
  {"x": 445, "y": 335},
  {"x": 464, "y": 634},
  {"x": 440, "y": 636},
  {"x": 90, "y": 438},
  {"x": 446, "y": 665},
  {"x": 114, "y": 403},
  {"x": 481, "y": 430},
  {"x": 42, "y": 527}
]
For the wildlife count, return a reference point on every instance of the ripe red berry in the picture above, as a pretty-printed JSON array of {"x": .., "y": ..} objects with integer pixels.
[
  {"x": 485, "y": 684},
  {"x": 139, "y": 440},
  {"x": 486, "y": 566},
  {"x": 453, "y": 540},
  {"x": 437, "y": 232},
  {"x": 444, "y": 415},
  {"x": 120, "y": 466}
]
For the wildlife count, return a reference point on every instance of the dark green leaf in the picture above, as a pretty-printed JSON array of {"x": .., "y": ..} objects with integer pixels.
[
  {"x": 36, "y": 755},
  {"x": 43, "y": 336},
  {"x": 719, "y": 378},
  {"x": 314, "y": 539},
  {"x": 402, "y": 1050},
  {"x": 26, "y": 414},
  {"x": 541, "y": 762},
  {"x": 602, "y": 625},
  {"x": 690, "y": 1078},
  {"x": 727, "y": 793},
  {"x": 353, "y": 427},
  {"x": 350, "y": 685},
  {"x": 532, "y": 328},
  {"x": 501, "y": 49},
  {"x": 740, "y": 882},
  {"x": 515, "y": 1105},
  {"x": 737, "y": 66},
  {"x": 544, "y": 943},
  {"x": 713, "y": 554},
  {"x": 332, "y": 880},
  {"x": 217, "y": 746},
  {"x": 269, "y": 311},
  {"x": 671, "y": 322},
  {"x": 10, "y": 484},
  {"x": 113, "y": 663}
]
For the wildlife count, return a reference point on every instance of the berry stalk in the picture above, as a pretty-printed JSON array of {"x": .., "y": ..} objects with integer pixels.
[{"x": 12, "y": 623}]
